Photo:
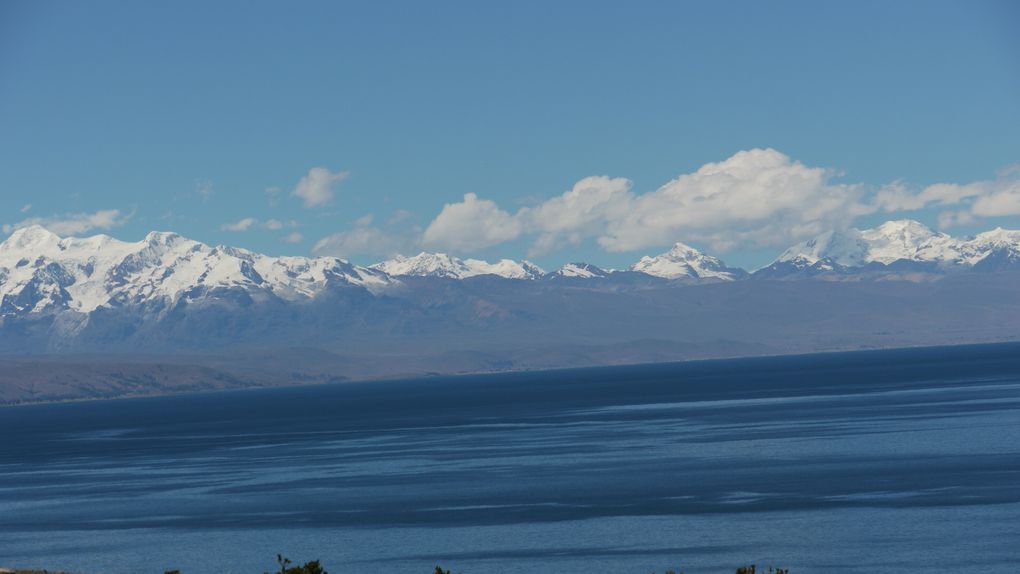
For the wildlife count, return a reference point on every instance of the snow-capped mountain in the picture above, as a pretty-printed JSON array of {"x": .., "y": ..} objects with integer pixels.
[
  {"x": 581, "y": 271},
  {"x": 684, "y": 261},
  {"x": 442, "y": 265},
  {"x": 899, "y": 244},
  {"x": 891, "y": 241},
  {"x": 998, "y": 249},
  {"x": 41, "y": 271},
  {"x": 169, "y": 294}
]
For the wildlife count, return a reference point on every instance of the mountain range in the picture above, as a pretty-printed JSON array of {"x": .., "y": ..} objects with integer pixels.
[
  {"x": 88, "y": 311},
  {"x": 41, "y": 272}
]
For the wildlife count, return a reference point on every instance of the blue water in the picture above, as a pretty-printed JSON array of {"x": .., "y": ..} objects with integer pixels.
[{"x": 859, "y": 462}]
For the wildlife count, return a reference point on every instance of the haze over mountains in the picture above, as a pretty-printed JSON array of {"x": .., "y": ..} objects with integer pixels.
[{"x": 218, "y": 316}]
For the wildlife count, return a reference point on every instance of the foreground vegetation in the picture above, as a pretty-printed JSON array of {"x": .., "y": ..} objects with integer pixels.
[{"x": 314, "y": 567}]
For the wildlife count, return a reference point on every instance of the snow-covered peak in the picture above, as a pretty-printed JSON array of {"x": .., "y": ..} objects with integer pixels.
[
  {"x": 506, "y": 268},
  {"x": 581, "y": 270},
  {"x": 685, "y": 261},
  {"x": 33, "y": 236},
  {"x": 901, "y": 240},
  {"x": 442, "y": 265},
  {"x": 908, "y": 230},
  {"x": 424, "y": 265},
  {"x": 910, "y": 240},
  {"x": 163, "y": 237},
  {"x": 891, "y": 241},
  {"x": 997, "y": 237},
  {"x": 39, "y": 270},
  {"x": 846, "y": 247}
]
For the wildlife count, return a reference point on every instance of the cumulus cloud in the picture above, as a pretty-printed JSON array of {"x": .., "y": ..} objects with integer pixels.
[
  {"x": 371, "y": 241},
  {"x": 470, "y": 225},
  {"x": 1001, "y": 197},
  {"x": 758, "y": 198},
  {"x": 75, "y": 223},
  {"x": 317, "y": 188},
  {"x": 755, "y": 198},
  {"x": 394, "y": 235},
  {"x": 898, "y": 196},
  {"x": 964, "y": 203},
  {"x": 581, "y": 212}
]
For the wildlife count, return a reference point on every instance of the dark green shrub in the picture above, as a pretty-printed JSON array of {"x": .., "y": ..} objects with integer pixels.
[{"x": 313, "y": 567}]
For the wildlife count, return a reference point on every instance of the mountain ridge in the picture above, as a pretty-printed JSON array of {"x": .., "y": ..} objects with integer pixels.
[
  {"x": 165, "y": 295},
  {"x": 898, "y": 241},
  {"x": 41, "y": 272}
]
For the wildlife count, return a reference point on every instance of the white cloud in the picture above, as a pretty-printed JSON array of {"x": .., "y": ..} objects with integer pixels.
[
  {"x": 949, "y": 219},
  {"x": 991, "y": 198},
  {"x": 370, "y": 241},
  {"x": 755, "y": 198},
  {"x": 897, "y": 196},
  {"x": 249, "y": 223},
  {"x": 758, "y": 198},
  {"x": 242, "y": 225},
  {"x": 316, "y": 188},
  {"x": 75, "y": 223},
  {"x": 581, "y": 212},
  {"x": 293, "y": 237},
  {"x": 470, "y": 225},
  {"x": 26, "y": 207},
  {"x": 397, "y": 234},
  {"x": 1001, "y": 197}
]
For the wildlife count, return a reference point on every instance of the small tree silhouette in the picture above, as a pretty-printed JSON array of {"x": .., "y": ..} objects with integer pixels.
[{"x": 313, "y": 567}]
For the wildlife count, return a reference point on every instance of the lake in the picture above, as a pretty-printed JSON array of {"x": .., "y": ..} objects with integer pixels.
[{"x": 877, "y": 461}]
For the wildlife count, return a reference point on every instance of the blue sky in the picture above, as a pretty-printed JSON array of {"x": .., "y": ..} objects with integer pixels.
[{"x": 345, "y": 129}]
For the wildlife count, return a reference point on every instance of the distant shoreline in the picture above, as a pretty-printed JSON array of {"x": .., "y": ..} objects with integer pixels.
[{"x": 70, "y": 361}]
